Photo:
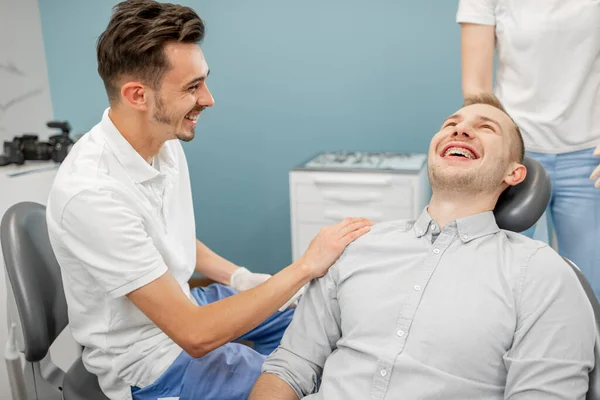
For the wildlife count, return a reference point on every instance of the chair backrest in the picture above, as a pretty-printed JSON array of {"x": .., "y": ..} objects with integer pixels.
[
  {"x": 35, "y": 278},
  {"x": 594, "y": 390}
]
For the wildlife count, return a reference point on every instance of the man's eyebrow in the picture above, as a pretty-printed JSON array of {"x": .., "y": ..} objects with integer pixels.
[
  {"x": 453, "y": 116},
  {"x": 487, "y": 119},
  {"x": 197, "y": 80}
]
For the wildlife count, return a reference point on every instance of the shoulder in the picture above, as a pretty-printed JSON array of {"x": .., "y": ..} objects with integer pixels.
[
  {"x": 88, "y": 208},
  {"x": 90, "y": 174},
  {"x": 546, "y": 277},
  {"x": 538, "y": 259},
  {"x": 82, "y": 165},
  {"x": 545, "y": 264},
  {"x": 381, "y": 235}
]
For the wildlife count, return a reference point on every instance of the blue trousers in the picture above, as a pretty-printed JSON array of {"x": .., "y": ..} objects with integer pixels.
[
  {"x": 226, "y": 373},
  {"x": 574, "y": 209}
]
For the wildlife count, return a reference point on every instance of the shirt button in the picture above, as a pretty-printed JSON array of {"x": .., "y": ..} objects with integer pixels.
[
  {"x": 417, "y": 288},
  {"x": 465, "y": 237},
  {"x": 400, "y": 333},
  {"x": 383, "y": 372},
  {"x": 433, "y": 227},
  {"x": 436, "y": 251}
]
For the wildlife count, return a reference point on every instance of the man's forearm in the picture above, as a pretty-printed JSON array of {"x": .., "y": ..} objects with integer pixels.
[
  {"x": 272, "y": 387},
  {"x": 212, "y": 265},
  {"x": 228, "y": 319},
  {"x": 201, "y": 329}
]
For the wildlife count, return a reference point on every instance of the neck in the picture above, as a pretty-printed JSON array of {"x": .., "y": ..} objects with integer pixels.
[
  {"x": 137, "y": 132},
  {"x": 446, "y": 207}
]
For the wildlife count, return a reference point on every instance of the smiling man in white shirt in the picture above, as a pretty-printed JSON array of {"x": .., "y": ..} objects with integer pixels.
[{"x": 121, "y": 223}]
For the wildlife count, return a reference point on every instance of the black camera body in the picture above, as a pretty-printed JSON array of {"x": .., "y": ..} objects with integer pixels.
[{"x": 28, "y": 147}]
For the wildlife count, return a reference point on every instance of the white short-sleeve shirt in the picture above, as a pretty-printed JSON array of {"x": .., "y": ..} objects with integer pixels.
[
  {"x": 117, "y": 223},
  {"x": 548, "y": 70}
]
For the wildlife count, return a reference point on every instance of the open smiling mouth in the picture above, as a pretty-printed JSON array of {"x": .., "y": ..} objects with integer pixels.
[
  {"x": 192, "y": 117},
  {"x": 459, "y": 152}
]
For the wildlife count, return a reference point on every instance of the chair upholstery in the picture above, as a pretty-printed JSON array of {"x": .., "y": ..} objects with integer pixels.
[
  {"x": 79, "y": 384},
  {"x": 594, "y": 389},
  {"x": 519, "y": 207},
  {"x": 35, "y": 279}
]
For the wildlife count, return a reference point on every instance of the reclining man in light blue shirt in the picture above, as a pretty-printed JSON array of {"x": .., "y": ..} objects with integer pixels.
[{"x": 448, "y": 306}]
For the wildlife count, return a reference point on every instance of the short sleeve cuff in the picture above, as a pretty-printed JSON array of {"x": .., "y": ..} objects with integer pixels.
[
  {"x": 159, "y": 270},
  {"x": 466, "y": 18}
]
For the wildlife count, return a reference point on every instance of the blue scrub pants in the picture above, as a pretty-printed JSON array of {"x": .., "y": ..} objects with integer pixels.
[
  {"x": 226, "y": 373},
  {"x": 574, "y": 209}
]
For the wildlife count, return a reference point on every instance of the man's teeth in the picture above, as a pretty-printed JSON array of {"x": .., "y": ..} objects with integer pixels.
[
  {"x": 191, "y": 117},
  {"x": 459, "y": 151}
]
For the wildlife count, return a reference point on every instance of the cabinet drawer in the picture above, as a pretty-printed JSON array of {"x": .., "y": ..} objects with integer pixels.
[
  {"x": 303, "y": 235},
  {"x": 349, "y": 189},
  {"x": 328, "y": 215}
]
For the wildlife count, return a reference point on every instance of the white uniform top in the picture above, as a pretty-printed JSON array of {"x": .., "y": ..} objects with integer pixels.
[
  {"x": 548, "y": 74},
  {"x": 116, "y": 223}
]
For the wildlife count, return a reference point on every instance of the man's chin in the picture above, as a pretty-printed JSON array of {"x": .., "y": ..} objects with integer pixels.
[
  {"x": 456, "y": 178},
  {"x": 186, "y": 136}
]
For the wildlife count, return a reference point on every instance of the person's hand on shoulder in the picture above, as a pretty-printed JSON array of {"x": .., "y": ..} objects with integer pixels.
[
  {"x": 330, "y": 243},
  {"x": 322, "y": 253}
]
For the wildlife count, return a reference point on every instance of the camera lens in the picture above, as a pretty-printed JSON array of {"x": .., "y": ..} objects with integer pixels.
[{"x": 34, "y": 150}]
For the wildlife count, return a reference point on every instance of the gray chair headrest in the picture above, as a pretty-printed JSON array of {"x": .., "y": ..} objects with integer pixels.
[{"x": 519, "y": 207}]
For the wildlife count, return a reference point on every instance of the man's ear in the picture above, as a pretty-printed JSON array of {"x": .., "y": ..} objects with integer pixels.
[
  {"x": 517, "y": 174},
  {"x": 135, "y": 95}
]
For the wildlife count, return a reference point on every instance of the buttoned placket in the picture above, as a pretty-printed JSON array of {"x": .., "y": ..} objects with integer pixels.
[{"x": 408, "y": 311}]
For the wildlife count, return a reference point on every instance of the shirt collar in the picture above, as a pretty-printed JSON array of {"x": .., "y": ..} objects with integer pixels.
[
  {"x": 469, "y": 228},
  {"x": 135, "y": 165}
]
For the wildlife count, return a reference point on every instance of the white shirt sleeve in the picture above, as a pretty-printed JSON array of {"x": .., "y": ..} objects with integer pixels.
[
  {"x": 482, "y": 12},
  {"x": 108, "y": 238}
]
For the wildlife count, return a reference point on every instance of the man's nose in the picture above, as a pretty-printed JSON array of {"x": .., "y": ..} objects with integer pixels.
[
  {"x": 205, "y": 98},
  {"x": 464, "y": 131}
]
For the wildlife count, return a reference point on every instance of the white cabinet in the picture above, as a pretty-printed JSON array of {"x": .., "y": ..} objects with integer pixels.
[
  {"x": 325, "y": 192},
  {"x": 30, "y": 182}
]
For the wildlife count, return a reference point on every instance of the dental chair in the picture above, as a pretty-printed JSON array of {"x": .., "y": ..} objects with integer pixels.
[
  {"x": 34, "y": 284},
  {"x": 518, "y": 209}
]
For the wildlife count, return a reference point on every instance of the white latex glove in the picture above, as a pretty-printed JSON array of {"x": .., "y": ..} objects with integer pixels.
[
  {"x": 242, "y": 279},
  {"x": 595, "y": 176}
]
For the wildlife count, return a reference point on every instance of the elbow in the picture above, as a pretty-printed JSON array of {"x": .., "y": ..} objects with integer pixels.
[
  {"x": 196, "y": 351},
  {"x": 200, "y": 344}
]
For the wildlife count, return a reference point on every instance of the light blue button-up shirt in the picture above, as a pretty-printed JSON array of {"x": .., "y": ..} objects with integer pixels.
[{"x": 471, "y": 312}]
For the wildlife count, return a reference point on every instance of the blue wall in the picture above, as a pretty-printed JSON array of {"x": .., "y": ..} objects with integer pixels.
[{"x": 290, "y": 79}]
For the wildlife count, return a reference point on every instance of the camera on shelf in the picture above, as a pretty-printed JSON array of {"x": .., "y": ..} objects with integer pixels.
[{"x": 28, "y": 147}]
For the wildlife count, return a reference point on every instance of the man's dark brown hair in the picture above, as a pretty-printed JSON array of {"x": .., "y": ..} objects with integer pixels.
[
  {"x": 133, "y": 43},
  {"x": 491, "y": 100}
]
